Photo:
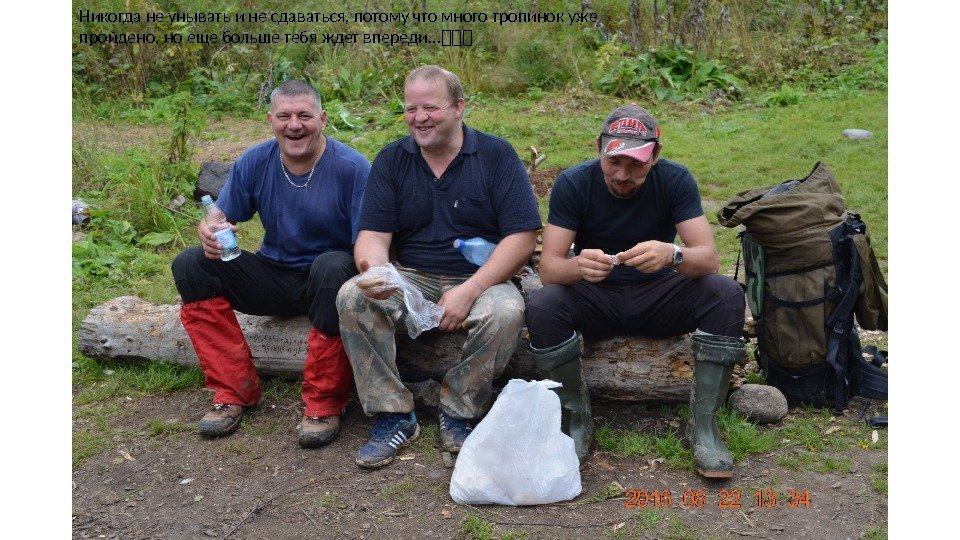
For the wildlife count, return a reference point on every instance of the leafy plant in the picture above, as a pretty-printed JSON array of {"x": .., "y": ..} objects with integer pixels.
[
  {"x": 339, "y": 117},
  {"x": 106, "y": 250},
  {"x": 349, "y": 87},
  {"x": 668, "y": 74},
  {"x": 185, "y": 122}
]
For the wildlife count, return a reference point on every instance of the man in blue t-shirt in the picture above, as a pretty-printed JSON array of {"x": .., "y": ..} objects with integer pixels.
[
  {"x": 621, "y": 214},
  {"x": 443, "y": 182},
  {"x": 308, "y": 189}
]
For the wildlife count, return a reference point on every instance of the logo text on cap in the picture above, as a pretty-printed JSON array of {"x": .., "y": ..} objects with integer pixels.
[{"x": 628, "y": 126}]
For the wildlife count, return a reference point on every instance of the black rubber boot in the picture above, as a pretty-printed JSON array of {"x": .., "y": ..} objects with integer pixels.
[
  {"x": 714, "y": 358},
  {"x": 561, "y": 363}
]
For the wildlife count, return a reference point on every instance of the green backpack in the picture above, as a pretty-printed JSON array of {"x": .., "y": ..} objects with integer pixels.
[{"x": 809, "y": 269}]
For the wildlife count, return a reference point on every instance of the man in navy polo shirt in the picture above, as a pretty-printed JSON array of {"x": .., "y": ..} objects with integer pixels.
[
  {"x": 308, "y": 189},
  {"x": 621, "y": 213},
  {"x": 442, "y": 182}
]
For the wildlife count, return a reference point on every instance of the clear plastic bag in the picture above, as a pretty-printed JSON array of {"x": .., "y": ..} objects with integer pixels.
[
  {"x": 517, "y": 454},
  {"x": 422, "y": 314}
]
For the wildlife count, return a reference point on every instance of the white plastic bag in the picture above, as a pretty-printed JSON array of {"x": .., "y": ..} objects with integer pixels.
[
  {"x": 422, "y": 314},
  {"x": 517, "y": 454}
]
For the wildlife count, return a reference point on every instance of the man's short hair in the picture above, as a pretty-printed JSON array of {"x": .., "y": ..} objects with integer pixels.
[
  {"x": 293, "y": 88},
  {"x": 437, "y": 73}
]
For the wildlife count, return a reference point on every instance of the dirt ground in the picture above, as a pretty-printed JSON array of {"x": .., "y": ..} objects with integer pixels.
[{"x": 259, "y": 484}]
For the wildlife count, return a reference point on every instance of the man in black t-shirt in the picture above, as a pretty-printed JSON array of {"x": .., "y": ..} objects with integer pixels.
[{"x": 621, "y": 214}]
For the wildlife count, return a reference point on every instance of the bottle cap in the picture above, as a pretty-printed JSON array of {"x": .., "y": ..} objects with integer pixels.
[
  {"x": 457, "y": 243},
  {"x": 206, "y": 199}
]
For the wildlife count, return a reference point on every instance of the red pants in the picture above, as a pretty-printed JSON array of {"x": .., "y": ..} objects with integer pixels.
[{"x": 262, "y": 288}]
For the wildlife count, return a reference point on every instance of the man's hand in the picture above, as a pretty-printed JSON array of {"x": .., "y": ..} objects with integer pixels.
[
  {"x": 372, "y": 287},
  {"x": 369, "y": 286},
  {"x": 594, "y": 265},
  {"x": 650, "y": 256},
  {"x": 208, "y": 241},
  {"x": 456, "y": 304}
]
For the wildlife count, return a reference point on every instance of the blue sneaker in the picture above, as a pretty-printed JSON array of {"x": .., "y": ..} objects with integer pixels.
[
  {"x": 390, "y": 433},
  {"x": 453, "y": 431}
]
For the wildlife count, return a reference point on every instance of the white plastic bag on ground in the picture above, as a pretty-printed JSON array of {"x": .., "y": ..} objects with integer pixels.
[
  {"x": 422, "y": 314},
  {"x": 517, "y": 454}
]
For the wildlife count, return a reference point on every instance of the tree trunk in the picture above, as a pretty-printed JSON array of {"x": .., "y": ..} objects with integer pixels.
[{"x": 620, "y": 368}]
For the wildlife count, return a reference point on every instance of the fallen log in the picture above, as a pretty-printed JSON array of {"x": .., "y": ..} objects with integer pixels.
[{"x": 620, "y": 368}]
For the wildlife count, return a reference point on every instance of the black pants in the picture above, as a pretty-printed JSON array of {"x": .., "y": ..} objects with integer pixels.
[
  {"x": 255, "y": 286},
  {"x": 669, "y": 306}
]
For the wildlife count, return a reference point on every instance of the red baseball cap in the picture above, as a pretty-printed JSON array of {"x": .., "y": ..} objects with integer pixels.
[{"x": 629, "y": 130}]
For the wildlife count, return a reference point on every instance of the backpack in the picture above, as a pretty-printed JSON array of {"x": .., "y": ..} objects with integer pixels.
[{"x": 809, "y": 269}]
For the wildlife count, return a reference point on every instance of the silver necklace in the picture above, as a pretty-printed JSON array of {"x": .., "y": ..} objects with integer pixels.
[{"x": 292, "y": 183}]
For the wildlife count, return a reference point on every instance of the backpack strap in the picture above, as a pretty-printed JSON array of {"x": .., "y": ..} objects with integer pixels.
[{"x": 839, "y": 326}]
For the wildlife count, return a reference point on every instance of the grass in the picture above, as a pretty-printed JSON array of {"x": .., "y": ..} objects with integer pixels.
[
  {"x": 398, "y": 491},
  {"x": 741, "y": 437},
  {"x": 679, "y": 530},
  {"x": 647, "y": 518},
  {"x": 327, "y": 501},
  {"x": 815, "y": 462},
  {"x": 474, "y": 528},
  {"x": 279, "y": 389},
  {"x": 812, "y": 440},
  {"x": 815, "y": 441},
  {"x": 624, "y": 443},
  {"x": 426, "y": 446},
  {"x": 88, "y": 443},
  {"x": 808, "y": 429},
  {"x": 169, "y": 428},
  {"x": 878, "y": 479}
]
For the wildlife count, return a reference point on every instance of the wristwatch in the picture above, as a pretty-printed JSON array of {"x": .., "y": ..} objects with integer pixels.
[{"x": 677, "y": 255}]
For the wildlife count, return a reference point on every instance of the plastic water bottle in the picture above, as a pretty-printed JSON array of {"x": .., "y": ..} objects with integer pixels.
[
  {"x": 476, "y": 250},
  {"x": 221, "y": 229}
]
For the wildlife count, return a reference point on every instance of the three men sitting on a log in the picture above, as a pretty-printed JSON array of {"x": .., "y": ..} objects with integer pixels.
[{"x": 621, "y": 212}]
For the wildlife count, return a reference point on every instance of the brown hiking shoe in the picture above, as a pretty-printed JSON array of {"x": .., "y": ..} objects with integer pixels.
[
  {"x": 222, "y": 420},
  {"x": 316, "y": 431}
]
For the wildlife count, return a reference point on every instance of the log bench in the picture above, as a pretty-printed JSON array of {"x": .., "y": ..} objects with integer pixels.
[{"x": 620, "y": 368}]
